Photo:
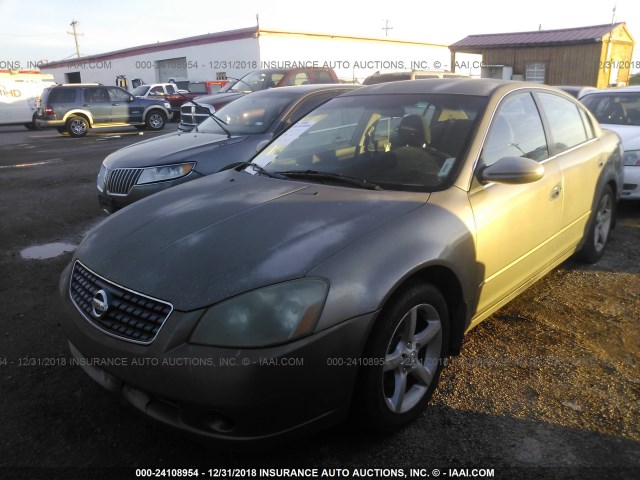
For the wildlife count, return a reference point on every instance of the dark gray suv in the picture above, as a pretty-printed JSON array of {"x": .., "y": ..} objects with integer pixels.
[{"x": 75, "y": 108}]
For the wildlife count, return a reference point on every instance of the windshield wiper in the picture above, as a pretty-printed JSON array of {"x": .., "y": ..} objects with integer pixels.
[
  {"x": 315, "y": 174},
  {"x": 257, "y": 168},
  {"x": 221, "y": 123}
]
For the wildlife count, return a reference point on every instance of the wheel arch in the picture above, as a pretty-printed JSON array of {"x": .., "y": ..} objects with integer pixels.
[
  {"x": 445, "y": 280},
  {"x": 79, "y": 113},
  {"x": 152, "y": 108}
]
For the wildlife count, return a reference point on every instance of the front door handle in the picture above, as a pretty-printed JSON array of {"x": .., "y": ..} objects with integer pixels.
[{"x": 555, "y": 192}]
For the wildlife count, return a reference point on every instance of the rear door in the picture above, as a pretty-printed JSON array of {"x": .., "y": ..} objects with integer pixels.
[
  {"x": 516, "y": 225},
  {"x": 573, "y": 143},
  {"x": 98, "y": 102}
]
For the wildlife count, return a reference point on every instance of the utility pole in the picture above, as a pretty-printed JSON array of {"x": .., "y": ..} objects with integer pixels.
[
  {"x": 75, "y": 36},
  {"x": 386, "y": 28},
  {"x": 613, "y": 15}
]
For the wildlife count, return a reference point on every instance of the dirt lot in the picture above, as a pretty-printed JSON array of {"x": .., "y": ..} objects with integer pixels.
[{"x": 549, "y": 387}]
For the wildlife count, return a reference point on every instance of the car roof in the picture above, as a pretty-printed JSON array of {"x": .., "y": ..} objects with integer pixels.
[
  {"x": 630, "y": 89},
  {"x": 457, "y": 86},
  {"x": 302, "y": 89}
]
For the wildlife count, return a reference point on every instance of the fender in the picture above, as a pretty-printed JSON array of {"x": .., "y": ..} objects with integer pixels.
[{"x": 81, "y": 112}]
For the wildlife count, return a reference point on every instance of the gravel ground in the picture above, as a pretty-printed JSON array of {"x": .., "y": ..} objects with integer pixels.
[{"x": 548, "y": 387}]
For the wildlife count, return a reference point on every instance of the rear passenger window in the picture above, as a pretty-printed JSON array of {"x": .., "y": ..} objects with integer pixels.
[
  {"x": 566, "y": 123},
  {"x": 516, "y": 131},
  {"x": 300, "y": 78},
  {"x": 62, "y": 95},
  {"x": 96, "y": 95},
  {"x": 322, "y": 76}
]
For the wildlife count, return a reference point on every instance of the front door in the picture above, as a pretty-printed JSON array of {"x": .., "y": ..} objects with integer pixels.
[{"x": 516, "y": 224}]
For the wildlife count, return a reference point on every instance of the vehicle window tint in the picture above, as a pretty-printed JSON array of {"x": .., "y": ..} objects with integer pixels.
[
  {"x": 118, "y": 94},
  {"x": 62, "y": 95},
  {"x": 615, "y": 108},
  {"x": 567, "y": 126},
  {"x": 276, "y": 78},
  {"x": 156, "y": 91},
  {"x": 587, "y": 123},
  {"x": 306, "y": 105},
  {"x": 96, "y": 95},
  {"x": 171, "y": 89},
  {"x": 198, "y": 88},
  {"x": 322, "y": 76},
  {"x": 516, "y": 131},
  {"x": 301, "y": 78},
  {"x": 384, "y": 139}
]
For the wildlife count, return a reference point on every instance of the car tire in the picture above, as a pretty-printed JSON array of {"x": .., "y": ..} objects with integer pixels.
[
  {"x": 403, "y": 358},
  {"x": 600, "y": 225},
  {"x": 155, "y": 120},
  {"x": 77, "y": 126},
  {"x": 32, "y": 125}
]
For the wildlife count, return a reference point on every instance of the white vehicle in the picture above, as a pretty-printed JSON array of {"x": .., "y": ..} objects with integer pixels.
[
  {"x": 155, "y": 90},
  {"x": 19, "y": 94},
  {"x": 618, "y": 110}
]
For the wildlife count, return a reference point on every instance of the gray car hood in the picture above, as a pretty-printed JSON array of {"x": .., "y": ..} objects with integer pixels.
[
  {"x": 228, "y": 233},
  {"x": 167, "y": 149}
]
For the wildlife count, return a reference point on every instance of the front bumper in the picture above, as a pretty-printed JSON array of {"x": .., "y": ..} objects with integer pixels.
[
  {"x": 240, "y": 395},
  {"x": 631, "y": 187}
]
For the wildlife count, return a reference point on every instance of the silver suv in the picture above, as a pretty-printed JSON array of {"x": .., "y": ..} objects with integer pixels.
[{"x": 75, "y": 108}]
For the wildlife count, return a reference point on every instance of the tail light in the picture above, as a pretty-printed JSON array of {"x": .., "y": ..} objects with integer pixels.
[{"x": 48, "y": 111}]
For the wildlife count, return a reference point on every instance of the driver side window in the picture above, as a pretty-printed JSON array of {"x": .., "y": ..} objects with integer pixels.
[
  {"x": 516, "y": 131},
  {"x": 118, "y": 95}
]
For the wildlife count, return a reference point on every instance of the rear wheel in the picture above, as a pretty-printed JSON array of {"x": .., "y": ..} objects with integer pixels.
[
  {"x": 155, "y": 120},
  {"x": 32, "y": 125},
  {"x": 600, "y": 227},
  {"x": 403, "y": 358},
  {"x": 77, "y": 126}
]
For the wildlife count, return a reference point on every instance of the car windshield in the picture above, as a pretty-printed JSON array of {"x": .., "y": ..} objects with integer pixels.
[
  {"x": 399, "y": 142},
  {"x": 140, "y": 91},
  {"x": 251, "y": 114},
  {"x": 255, "y": 81},
  {"x": 615, "y": 108}
]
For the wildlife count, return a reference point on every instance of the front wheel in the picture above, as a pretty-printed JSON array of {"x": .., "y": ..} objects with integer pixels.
[
  {"x": 600, "y": 227},
  {"x": 155, "y": 120},
  {"x": 403, "y": 358}
]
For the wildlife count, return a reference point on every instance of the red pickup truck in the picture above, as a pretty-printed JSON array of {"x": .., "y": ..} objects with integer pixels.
[{"x": 196, "y": 89}]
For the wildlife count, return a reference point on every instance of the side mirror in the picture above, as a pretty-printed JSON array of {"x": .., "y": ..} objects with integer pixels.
[{"x": 513, "y": 170}]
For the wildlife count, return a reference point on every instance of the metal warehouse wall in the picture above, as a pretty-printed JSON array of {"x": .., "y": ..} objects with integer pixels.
[{"x": 197, "y": 62}]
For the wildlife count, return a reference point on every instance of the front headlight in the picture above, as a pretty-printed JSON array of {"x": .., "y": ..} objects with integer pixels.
[
  {"x": 167, "y": 105},
  {"x": 165, "y": 172},
  {"x": 267, "y": 316},
  {"x": 101, "y": 176},
  {"x": 632, "y": 158}
]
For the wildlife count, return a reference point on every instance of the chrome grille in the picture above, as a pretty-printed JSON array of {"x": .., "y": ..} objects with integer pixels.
[
  {"x": 120, "y": 180},
  {"x": 190, "y": 114},
  {"x": 130, "y": 315}
]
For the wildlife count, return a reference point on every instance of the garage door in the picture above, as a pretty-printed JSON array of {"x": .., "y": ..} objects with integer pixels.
[{"x": 172, "y": 68}]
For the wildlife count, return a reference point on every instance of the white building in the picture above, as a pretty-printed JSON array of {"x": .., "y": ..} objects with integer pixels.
[{"x": 237, "y": 52}]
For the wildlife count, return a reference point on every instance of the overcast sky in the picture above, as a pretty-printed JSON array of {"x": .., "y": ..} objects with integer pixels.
[{"x": 34, "y": 30}]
